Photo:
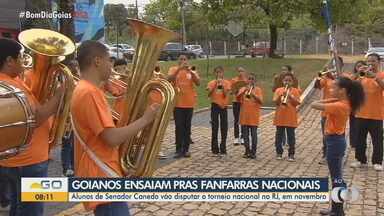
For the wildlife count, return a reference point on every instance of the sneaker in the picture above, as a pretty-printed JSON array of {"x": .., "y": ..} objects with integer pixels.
[
  {"x": 236, "y": 141},
  {"x": 252, "y": 156},
  {"x": 245, "y": 156},
  {"x": 242, "y": 141},
  {"x": 279, "y": 157},
  {"x": 323, "y": 161},
  {"x": 291, "y": 158},
  {"x": 378, "y": 167},
  {"x": 161, "y": 155},
  {"x": 215, "y": 154},
  {"x": 5, "y": 208},
  {"x": 187, "y": 154},
  {"x": 69, "y": 173},
  {"x": 178, "y": 155},
  {"x": 325, "y": 212},
  {"x": 358, "y": 164}
]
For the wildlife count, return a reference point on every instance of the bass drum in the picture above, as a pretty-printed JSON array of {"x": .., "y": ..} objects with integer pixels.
[{"x": 16, "y": 121}]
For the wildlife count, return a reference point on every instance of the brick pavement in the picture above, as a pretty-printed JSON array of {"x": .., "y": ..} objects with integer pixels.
[{"x": 308, "y": 154}]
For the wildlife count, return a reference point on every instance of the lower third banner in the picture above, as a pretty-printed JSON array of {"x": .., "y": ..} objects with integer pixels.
[{"x": 175, "y": 189}]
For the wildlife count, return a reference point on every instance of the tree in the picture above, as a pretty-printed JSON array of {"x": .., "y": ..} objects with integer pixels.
[
  {"x": 115, "y": 16},
  {"x": 165, "y": 13},
  {"x": 271, "y": 13}
]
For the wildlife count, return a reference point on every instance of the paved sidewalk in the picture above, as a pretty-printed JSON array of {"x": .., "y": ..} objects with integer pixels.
[
  {"x": 308, "y": 154},
  {"x": 202, "y": 164}
]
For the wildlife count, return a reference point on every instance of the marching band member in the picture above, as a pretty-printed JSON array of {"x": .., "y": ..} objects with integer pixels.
[
  {"x": 346, "y": 97},
  {"x": 97, "y": 138},
  {"x": 67, "y": 149},
  {"x": 218, "y": 91},
  {"x": 357, "y": 69},
  {"x": 278, "y": 82},
  {"x": 369, "y": 119},
  {"x": 251, "y": 99},
  {"x": 33, "y": 161},
  {"x": 324, "y": 83},
  {"x": 241, "y": 77},
  {"x": 184, "y": 78},
  {"x": 286, "y": 119}
]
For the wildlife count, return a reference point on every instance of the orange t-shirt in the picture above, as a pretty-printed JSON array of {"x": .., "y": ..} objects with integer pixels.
[
  {"x": 218, "y": 97},
  {"x": 337, "y": 114},
  {"x": 91, "y": 115},
  {"x": 233, "y": 81},
  {"x": 325, "y": 86},
  {"x": 286, "y": 115},
  {"x": 37, "y": 150},
  {"x": 250, "y": 108},
  {"x": 373, "y": 105},
  {"x": 186, "y": 93}
]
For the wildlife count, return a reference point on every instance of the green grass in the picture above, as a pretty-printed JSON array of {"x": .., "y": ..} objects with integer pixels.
[{"x": 305, "y": 70}]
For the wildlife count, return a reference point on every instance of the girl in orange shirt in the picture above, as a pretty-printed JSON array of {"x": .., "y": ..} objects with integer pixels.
[
  {"x": 241, "y": 77},
  {"x": 324, "y": 83},
  {"x": 218, "y": 90},
  {"x": 347, "y": 97},
  {"x": 251, "y": 99},
  {"x": 286, "y": 116}
]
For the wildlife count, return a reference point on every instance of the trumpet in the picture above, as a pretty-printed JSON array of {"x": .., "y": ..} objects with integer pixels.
[
  {"x": 219, "y": 83},
  {"x": 249, "y": 92},
  {"x": 365, "y": 70},
  {"x": 322, "y": 73},
  {"x": 286, "y": 96}
]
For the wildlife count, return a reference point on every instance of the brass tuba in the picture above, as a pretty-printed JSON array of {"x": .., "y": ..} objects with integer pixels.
[
  {"x": 49, "y": 48},
  {"x": 138, "y": 154}
]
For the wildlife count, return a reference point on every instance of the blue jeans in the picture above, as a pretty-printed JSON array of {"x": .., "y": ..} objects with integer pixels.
[
  {"x": 336, "y": 146},
  {"x": 112, "y": 209},
  {"x": 14, "y": 175},
  {"x": 67, "y": 152},
  {"x": 322, "y": 122},
  {"x": 5, "y": 195},
  {"x": 280, "y": 132}
]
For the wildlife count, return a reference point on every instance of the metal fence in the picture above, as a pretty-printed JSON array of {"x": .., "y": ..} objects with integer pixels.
[{"x": 292, "y": 42}]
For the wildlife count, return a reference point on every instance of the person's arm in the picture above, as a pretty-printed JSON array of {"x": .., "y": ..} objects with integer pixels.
[
  {"x": 172, "y": 75},
  {"x": 241, "y": 93},
  {"x": 318, "y": 105},
  {"x": 211, "y": 88},
  {"x": 277, "y": 98},
  {"x": 317, "y": 83},
  {"x": 195, "y": 78},
  {"x": 226, "y": 88},
  {"x": 43, "y": 112},
  {"x": 380, "y": 82},
  {"x": 117, "y": 136},
  {"x": 295, "y": 100},
  {"x": 258, "y": 99}
]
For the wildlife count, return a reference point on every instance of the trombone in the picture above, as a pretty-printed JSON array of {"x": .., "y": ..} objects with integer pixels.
[{"x": 287, "y": 90}]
